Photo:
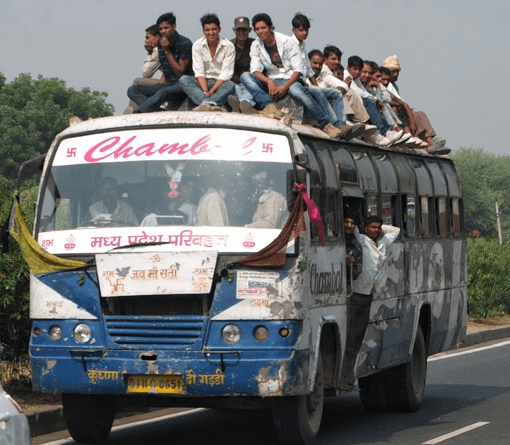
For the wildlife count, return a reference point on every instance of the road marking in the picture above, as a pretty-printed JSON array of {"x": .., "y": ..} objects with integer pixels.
[
  {"x": 455, "y": 433},
  {"x": 68, "y": 440},
  {"x": 471, "y": 351}
]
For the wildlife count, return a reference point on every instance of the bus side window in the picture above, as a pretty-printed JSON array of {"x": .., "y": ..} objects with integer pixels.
[
  {"x": 455, "y": 207},
  {"x": 371, "y": 204},
  {"x": 389, "y": 210},
  {"x": 331, "y": 214},
  {"x": 425, "y": 215},
  {"x": 409, "y": 215},
  {"x": 441, "y": 217}
]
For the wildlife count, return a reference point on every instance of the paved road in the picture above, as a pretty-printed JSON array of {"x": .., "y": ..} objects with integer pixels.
[{"x": 467, "y": 399}]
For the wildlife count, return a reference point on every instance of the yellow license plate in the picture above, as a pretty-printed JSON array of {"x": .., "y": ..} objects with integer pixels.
[{"x": 155, "y": 384}]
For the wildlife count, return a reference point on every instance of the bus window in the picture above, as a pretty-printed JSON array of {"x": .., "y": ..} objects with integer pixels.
[
  {"x": 331, "y": 215},
  {"x": 354, "y": 207},
  {"x": 346, "y": 167},
  {"x": 389, "y": 210},
  {"x": 387, "y": 175},
  {"x": 441, "y": 217},
  {"x": 425, "y": 215},
  {"x": 455, "y": 206},
  {"x": 366, "y": 172},
  {"x": 409, "y": 215},
  {"x": 372, "y": 204}
]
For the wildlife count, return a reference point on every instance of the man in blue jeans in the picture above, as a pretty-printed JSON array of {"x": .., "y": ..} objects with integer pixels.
[
  {"x": 174, "y": 53},
  {"x": 276, "y": 69},
  {"x": 301, "y": 29},
  {"x": 213, "y": 62}
]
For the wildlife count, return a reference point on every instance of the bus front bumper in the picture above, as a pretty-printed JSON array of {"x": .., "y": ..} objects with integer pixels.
[{"x": 171, "y": 373}]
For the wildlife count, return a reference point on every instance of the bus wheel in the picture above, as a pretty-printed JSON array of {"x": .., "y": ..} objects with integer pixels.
[
  {"x": 298, "y": 419},
  {"x": 372, "y": 392},
  {"x": 406, "y": 383},
  {"x": 89, "y": 417}
]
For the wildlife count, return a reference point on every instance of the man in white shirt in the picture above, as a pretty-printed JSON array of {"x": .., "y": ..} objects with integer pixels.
[
  {"x": 361, "y": 73},
  {"x": 375, "y": 243},
  {"x": 276, "y": 69},
  {"x": 150, "y": 65},
  {"x": 322, "y": 95},
  {"x": 213, "y": 64}
]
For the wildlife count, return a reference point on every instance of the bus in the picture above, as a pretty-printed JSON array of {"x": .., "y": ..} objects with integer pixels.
[{"x": 171, "y": 300}]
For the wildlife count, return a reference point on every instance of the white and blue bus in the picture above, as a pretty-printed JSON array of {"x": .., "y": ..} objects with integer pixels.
[{"x": 164, "y": 313}]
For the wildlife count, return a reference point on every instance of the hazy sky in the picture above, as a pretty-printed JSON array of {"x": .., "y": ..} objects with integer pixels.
[{"x": 454, "y": 54}]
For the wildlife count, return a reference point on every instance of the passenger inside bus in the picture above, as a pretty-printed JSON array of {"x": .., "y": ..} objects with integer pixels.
[
  {"x": 174, "y": 207},
  {"x": 212, "y": 210},
  {"x": 110, "y": 209},
  {"x": 271, "y": 211}
]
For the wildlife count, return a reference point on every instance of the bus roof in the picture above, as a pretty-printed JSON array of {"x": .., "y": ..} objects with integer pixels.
[{"x": 213, "y": 119}]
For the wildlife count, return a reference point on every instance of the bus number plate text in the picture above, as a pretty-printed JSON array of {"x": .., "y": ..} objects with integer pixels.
[{"x": 155, "y": 384}]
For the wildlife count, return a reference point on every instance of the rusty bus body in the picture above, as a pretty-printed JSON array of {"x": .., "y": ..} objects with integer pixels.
[{"x": 160, "y": 317}]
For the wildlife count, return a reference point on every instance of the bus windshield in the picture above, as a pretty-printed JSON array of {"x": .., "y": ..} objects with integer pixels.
[{"x": 110, "y": 190}]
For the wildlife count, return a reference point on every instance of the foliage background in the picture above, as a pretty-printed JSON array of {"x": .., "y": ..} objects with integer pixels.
[{"x": 32, "y": 113}]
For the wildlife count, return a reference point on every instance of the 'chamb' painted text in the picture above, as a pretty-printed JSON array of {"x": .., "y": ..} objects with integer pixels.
[{"x": 114, "y": 147}]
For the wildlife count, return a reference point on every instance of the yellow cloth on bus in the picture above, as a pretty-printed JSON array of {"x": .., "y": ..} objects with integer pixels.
[{"x": 36, "y": 257}]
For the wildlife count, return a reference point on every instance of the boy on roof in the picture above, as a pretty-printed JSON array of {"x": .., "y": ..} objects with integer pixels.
[
  {"x": 174, "y": 52},
  {"x": 213, "y": 63}
]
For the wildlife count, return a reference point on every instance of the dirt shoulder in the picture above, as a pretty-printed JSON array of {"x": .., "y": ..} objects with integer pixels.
[{"x": 494, "y": 322}]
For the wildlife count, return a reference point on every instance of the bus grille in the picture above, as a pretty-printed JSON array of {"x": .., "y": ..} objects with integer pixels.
[{"x": 158, "y": 331}]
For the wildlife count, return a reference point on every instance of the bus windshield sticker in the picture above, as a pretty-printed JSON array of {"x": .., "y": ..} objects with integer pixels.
[{"x": 256, "y": 284}]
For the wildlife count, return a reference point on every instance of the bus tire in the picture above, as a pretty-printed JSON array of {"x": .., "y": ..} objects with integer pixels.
[
  {"x": 372, "y": 392},
  {"x": 89, "y": 417},
  {"x": 297, "y": 419},
  {"x": 406, "y": 383}
]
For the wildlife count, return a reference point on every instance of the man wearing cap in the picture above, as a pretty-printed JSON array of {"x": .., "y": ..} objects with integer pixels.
[
  {"x": 424, "y": 128},
  {"x": 242, "y": 101}
]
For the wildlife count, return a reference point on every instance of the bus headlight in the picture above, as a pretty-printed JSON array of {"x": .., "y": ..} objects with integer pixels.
[
  {"x": 260, "y": 333},
  {"x": 82, "y": 333},
  {"x": 55, "y": 332},
  {"x": 231, "y": 334}
]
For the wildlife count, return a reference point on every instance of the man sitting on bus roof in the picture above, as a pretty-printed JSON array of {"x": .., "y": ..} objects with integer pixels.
[
  {"x": 151, "y": 64},
  {"x": 242, "y": 101},
  {"x": 174, "y": 52},
  {"x": 213, "y": 63},
  {"x": 424, "y": 129},
  {"x": 361, "y": 74},
  {"x": 275, "y": 71},
  {"x": 333, "y": 96}
]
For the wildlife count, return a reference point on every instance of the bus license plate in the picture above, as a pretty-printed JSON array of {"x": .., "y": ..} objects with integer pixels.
[{"x": 155, "y": 384}]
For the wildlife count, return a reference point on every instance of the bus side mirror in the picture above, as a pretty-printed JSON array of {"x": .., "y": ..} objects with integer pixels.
[
  {"x": 293, "y": 176},
  {"x": 30, "y": 167},
  {"x": 301, "y": 159}
]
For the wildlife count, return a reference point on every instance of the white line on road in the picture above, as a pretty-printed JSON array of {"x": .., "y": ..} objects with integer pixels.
[
  {"x": 69, "y": 440},
  {"x": 471, "y": 351},
  {"x": 455, "y": 433}
]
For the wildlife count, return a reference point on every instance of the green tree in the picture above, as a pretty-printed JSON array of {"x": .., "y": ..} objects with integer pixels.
[
  {"x": 33, "y": 111},
  {"x": 485, "y": 181},
  {"x": 488, "y": 281}
]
